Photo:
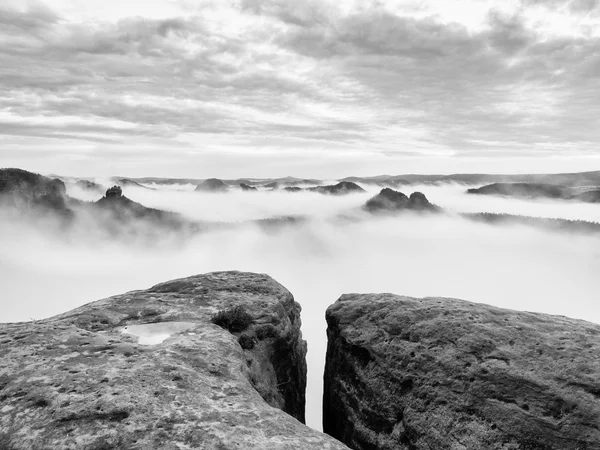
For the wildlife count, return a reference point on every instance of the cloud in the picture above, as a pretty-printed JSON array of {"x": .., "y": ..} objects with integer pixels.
[{"x": 381, "y": 77}]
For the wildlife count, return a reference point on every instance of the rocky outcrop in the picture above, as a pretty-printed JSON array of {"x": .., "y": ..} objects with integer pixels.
[
  {"x": 212, "y": 185},
  {"x": 437, "y": 373},
  {"x": 389, "y": 200},
  {"x": 30, "y": 192},
  {"x": 247, "y": 187},
  {"x": 207, "y": 362},
  {"x": 114, "y": 210},
  {"x": 341, "y": 188},
  {"x": 114, "y": 192}
]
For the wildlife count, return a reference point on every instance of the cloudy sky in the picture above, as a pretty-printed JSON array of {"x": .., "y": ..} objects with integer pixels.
[{"x": 310, "y": 88}]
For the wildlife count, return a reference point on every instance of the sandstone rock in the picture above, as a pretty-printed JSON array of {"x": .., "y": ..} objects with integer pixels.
[
  {"x": 85, "y": 380},
  {"x": 437, "y": 373},
  {"x": 389, "y": 200},
  {"x": 30, "y": 192},
  {"x": 120, "y": 215},
  {"x": 114, "y": 192}
]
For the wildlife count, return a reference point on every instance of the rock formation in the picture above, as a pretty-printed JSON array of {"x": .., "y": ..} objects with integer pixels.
[
  {"x": 212, "y": 185},
  {"x": 114, "y": 192},
  {"x": 389, "y": 200},
  {"x": 247, "y": 187},
  {"x": 343, "y": 187},
  {"x": 206, "y": 362},
  {"x": 117, "y": 209},
  {"x": 437, "y": 373},
  {"x": 30, "y": 192}
]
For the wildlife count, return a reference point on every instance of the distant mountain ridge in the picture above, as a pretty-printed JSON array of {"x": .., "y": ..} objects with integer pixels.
[
  {"x": 27, "y": 193},
  {"x": 536, "y": 191},
  {"x": 570, "y": 179}
]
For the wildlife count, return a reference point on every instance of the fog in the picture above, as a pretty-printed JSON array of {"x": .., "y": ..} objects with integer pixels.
[
  {"x": 318, "y": 259},
  {"x": 237, "y": 205}
]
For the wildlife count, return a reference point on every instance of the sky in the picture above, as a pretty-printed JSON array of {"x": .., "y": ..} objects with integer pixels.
[{"x": 267, "y": 88}]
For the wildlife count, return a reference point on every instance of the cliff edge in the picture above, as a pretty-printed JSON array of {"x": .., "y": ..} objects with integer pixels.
[
  {"x": 438, "y": 373},
  {"x": 210, "y": 361}
]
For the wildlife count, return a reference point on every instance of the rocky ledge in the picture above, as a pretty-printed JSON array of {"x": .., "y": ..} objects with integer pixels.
[
  {"x": 437, "y": 373},
  {"x": 211, "y": 362}
]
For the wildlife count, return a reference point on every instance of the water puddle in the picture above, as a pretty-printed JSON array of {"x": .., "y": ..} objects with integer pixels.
[{"x": 156, "y": 333}]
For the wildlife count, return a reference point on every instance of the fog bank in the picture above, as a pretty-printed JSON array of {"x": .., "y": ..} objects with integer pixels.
[{"x": 318, "y": 260}]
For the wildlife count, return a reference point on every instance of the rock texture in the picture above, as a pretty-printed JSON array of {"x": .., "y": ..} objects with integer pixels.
[
  {"x": 84, "y": 380},
  {"x": 437, "y": 373},
  {"x": 389, "y": 200}
]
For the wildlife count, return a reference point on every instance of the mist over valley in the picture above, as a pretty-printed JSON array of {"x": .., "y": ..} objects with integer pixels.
[{"x": 318, "y": 245}]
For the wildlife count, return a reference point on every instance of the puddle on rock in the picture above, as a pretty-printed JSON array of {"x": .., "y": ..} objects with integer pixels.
[{"x": 156, "y": 333}]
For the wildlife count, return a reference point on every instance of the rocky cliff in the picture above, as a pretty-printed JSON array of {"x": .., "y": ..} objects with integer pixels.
[
  {"x": 206, "y": 362},
  {"x": 26, "y": 191},
  {"x": 436, "y": 373}
]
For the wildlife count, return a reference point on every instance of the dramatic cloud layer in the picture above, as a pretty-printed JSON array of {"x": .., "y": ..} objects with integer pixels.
[{"x": 182, "y": 87}]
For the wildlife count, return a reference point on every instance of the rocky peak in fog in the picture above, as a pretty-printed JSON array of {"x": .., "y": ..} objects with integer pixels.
[
  {"x": 212, "y": 185},
  {"x": 341, "y": 188},
  {"x": 272, "y": 185},
  {"x": 247, "y": 187},
  {"x": 114, "y": 192},
  {"x": 29, "y": 191},
  {"x": 30, "y": 184},
  {"x": 391, "y": 200}
]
